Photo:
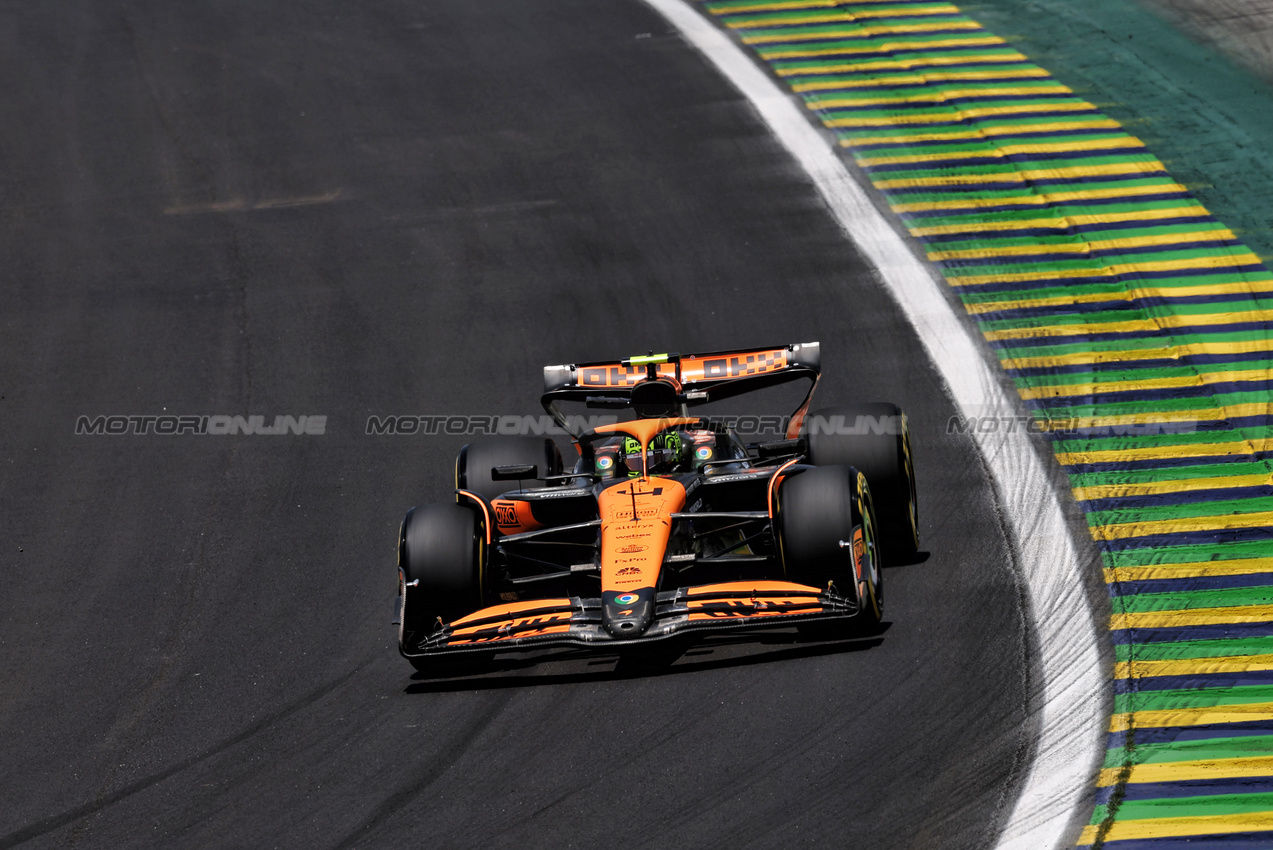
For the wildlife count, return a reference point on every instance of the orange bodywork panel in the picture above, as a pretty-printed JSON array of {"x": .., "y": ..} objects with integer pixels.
[
  {"x": 645, "y": 429},
  {"x": 512, "y": 609},
  {"x": 514, "y": 620},
  {"x": 744, "y": 588},
  {"x": 513, "y": 516},
  {"x": 522, "y": 627},
  {"x": 726, "y": 608},
  {"x": 635, "y": 524},
  {"x": 752, "y": 599}
]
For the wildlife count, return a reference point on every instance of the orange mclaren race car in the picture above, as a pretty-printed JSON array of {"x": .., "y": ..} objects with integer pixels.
[{"x": 666, "y": 523}]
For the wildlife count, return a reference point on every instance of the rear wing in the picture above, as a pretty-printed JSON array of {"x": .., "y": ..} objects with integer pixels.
[{"x": 695, "y": 378}]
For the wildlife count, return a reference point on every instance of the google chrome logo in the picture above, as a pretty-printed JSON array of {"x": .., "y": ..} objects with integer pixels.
[{"x": 626, "y": 598}]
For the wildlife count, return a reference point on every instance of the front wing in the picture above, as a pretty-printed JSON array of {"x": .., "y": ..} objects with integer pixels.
[{"x": 576, "y": 621}]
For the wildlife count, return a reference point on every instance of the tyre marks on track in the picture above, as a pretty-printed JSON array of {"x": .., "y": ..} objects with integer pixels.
[
  {"x": 424, "y": 772},
  {"x": 54, "y": 822}
]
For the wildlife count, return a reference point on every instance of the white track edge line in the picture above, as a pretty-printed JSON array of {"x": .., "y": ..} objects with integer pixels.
[{"x": 1072, "y": 705}]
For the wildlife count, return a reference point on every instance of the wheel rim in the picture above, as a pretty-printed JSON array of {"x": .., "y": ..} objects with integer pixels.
[
  {"x": 872, "y": 571},
  {"x": 912, "y": 503}
]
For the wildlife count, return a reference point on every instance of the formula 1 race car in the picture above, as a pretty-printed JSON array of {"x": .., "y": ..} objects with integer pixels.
[{"x": 666, "y": 524}]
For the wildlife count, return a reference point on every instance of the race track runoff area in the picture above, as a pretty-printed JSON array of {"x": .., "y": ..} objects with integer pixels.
[{"x": 1135, "y": 326}]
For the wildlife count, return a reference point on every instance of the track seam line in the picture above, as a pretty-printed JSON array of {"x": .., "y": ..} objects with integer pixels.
[{"x": 1071, "y": 707}]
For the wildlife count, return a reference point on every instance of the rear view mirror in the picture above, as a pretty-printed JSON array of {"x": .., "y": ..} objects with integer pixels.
[{"x": 516, "y": 472}]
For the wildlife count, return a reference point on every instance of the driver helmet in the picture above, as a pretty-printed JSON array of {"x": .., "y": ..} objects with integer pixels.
[
  {"x": 631, "y": 455},
  {"x": 663, "y": 455}
]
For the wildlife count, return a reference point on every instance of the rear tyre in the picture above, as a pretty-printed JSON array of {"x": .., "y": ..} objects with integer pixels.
[
  {"x": 440, "y": 557},
  {"x": 882, "y": 452},
  {"x": 477, "y": 459},
  {"x": 821, "y": 513}
]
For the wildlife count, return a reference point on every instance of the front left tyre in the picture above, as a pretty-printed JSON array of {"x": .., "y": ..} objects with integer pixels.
[{"x": 441, "y": 553}]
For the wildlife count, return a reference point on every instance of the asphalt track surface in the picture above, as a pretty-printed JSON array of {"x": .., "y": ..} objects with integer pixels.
[{"x": 333, "y": 209}]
